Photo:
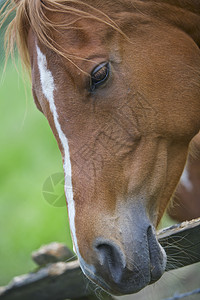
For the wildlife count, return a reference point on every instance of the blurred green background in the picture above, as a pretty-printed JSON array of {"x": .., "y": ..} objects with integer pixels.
[{"x": 28, "y": 156}]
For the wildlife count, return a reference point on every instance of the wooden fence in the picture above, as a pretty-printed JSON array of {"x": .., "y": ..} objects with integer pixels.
[{"x": 59, "y": 278}]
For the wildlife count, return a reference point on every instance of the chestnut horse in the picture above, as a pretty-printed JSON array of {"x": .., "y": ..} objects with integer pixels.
[
  {"x": 119, "y": 82},
  {"x": 186, "y": 200}
]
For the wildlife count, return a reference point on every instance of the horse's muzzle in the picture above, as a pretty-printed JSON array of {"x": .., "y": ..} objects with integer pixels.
[{"x": 122, "y": 270}]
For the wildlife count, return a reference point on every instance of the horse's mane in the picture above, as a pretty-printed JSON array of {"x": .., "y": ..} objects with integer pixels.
[{"x": 34, "y": 14}]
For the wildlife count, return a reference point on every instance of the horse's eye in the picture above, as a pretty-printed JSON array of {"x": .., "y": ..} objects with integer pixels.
[{"x": 99, "y": 75}]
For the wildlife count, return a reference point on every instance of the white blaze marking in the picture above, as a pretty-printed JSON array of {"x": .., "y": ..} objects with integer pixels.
[
  {"x": 185, "y": 180},
  {"x": 48, "y": 87}
]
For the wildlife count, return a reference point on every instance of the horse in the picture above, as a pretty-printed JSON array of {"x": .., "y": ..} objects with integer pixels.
[
  {"x": 185, "y": 202},
  {"x": 119, "y": 83}
]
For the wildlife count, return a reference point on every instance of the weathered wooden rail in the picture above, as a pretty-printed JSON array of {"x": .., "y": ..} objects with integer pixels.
[
  {"x": 181, "y": 243},
  {"x": 59, "y": 280}
]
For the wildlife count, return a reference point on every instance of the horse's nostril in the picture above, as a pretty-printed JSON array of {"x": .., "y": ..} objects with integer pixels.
[{"x": 111, "y": 259}]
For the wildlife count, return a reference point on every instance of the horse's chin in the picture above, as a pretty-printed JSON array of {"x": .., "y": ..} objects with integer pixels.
[{"x": 124, "y": 288}]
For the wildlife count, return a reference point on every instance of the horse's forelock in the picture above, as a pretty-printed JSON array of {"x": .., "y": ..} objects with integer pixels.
[{"x": 35, "y": 14}]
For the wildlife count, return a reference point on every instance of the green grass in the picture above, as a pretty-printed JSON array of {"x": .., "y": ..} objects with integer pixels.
[{"x": 28, "y": 155}]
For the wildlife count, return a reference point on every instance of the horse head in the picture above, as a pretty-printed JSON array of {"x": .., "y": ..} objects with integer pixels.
[{"x": 119, "y": 83}]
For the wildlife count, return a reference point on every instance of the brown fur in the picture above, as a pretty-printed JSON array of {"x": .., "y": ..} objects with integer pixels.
[{"x": 186, "y": 202}]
